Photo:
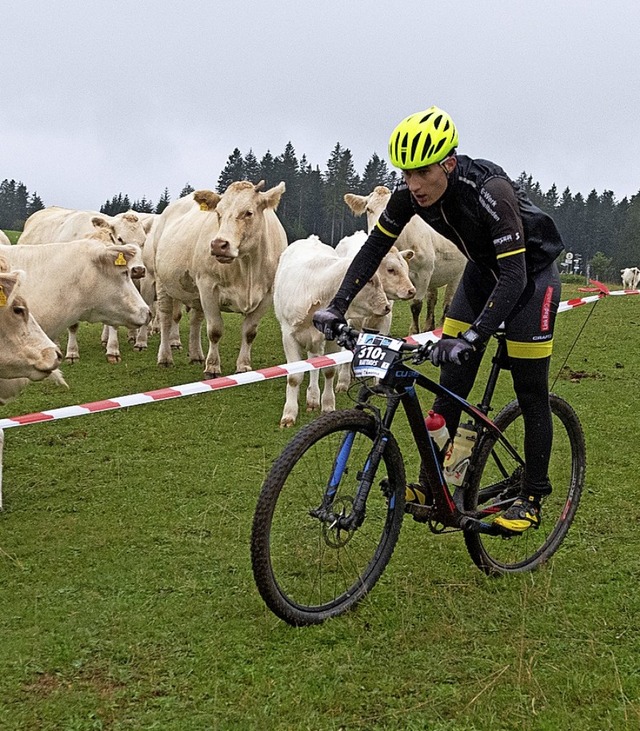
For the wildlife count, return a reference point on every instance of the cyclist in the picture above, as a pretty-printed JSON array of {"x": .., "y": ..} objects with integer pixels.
[{"x": 510, "y": 277}]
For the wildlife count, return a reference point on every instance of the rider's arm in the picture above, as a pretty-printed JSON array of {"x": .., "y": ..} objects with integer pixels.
[
  {"x": 500, "y": 208},
  {"x": 392, "y": 220}
]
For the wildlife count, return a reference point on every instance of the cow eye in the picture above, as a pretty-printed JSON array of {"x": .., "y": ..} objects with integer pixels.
[
  {"x": 20, "y": 310},
  {"x": 248, "y": 214},
  {"x": 391, "y": 270},
  {"x": 120, "y": 240}
]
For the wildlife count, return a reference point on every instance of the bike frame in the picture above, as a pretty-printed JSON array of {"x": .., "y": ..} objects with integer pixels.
[{"x": 399, "y": 387}]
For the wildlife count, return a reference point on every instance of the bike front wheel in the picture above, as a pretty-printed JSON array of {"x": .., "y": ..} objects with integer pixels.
[
  {"x": 308, "y": 566},
  {"x": 496, "y": 480}
]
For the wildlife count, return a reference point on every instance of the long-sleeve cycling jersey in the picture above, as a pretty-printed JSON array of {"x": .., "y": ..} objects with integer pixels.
[{"x": 488, "y": 217}]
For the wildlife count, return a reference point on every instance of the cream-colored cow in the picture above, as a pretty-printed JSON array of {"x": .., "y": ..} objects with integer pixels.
[
  {"x": 217, "y": 253},
  {"x": 56, "y": 224},
  {"x": 437, "y": 262},
  {"x": 27, "y": 351},
  {"x": 308, "y": 275}
]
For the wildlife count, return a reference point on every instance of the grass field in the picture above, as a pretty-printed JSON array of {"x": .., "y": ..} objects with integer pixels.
[{"x": 127, "y": 600}]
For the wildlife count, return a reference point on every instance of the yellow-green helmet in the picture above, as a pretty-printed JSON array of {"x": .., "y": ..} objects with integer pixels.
[{"x": 422, "y": 139}]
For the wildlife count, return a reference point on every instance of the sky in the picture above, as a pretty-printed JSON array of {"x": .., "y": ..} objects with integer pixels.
[{"x": 100, "y": 98}]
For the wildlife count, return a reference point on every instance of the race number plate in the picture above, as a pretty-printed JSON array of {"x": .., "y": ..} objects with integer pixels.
[{"x": 374, "y": 354}]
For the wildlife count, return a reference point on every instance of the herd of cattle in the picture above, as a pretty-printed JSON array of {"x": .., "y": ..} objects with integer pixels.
[{"x": 210, "y": 254}]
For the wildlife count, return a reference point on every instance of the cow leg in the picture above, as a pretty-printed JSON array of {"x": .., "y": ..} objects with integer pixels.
[
  {"x": 328, "y": 395},
  {"x": 113, "y": 346},
  {"x": 344, "y": 377},
  {"x": 249, "y": 332},
  {"x": 165, "y": 313},
  {"x": 430, "y": 316},
  {"x": 148, "y": 292},
  {"x": 195, "y": 342},
  {"x": 313, "y": 389},
  {"x": 73, "y": 354},
  {"x": 174, "y": 339},
  {"x": 104, "y": 336},
  {"x": 294, "y": 380},
  {"x": 416, "y": 309}
]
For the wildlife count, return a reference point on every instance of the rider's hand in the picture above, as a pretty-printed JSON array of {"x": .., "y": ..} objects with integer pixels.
[
  {"x": 327, "y": 321},
  {"x": 451, "y": 350}
]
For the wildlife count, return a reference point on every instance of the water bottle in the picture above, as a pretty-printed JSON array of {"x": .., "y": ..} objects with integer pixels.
[
  {"x": 458, "y": 456},
  {"x": 437, "y": 429}
]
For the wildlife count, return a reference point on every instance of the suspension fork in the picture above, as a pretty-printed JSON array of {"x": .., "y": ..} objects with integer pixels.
[{"x": 365, "y": 477}]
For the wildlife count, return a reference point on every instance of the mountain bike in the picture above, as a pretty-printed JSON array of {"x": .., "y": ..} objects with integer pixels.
[{"x": 331, "y": 507}]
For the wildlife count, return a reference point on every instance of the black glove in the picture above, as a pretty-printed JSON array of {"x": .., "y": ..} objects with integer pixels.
[
  {"x": 451, "y": 350},
  {"x": 327, "y": 321}
]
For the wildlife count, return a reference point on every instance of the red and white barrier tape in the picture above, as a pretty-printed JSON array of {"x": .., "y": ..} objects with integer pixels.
[{"x": 240, "y": 379}]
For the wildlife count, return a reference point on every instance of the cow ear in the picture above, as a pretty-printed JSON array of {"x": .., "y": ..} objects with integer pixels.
[
  {"x": 100, "y": 222},
  {"x": 8, "y": 287},
  {"x": 130, "y": 216},
  {"x": 259, "y": 186},
  {"x": 206, "y": 199},
  {"x": 357, "y": 203},
  {"x": 271, "y": 198},
  {"x": 407, "y": 254},
  {"x": 147, "y": 224}
]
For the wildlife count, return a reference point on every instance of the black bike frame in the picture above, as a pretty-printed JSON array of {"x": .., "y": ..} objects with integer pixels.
[{"x": 399, "y": 387}]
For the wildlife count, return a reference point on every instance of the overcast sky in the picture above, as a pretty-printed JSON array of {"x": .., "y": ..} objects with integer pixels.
[{"x": 106, "y": 97}]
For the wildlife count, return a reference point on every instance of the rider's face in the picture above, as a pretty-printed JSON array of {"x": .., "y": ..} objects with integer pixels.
[{"x": 428, "y": 184}]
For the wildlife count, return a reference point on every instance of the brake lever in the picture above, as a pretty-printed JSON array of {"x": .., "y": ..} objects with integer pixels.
[{"x": 421, "y": 355}]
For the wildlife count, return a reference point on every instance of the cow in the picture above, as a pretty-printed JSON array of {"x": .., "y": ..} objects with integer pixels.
[
  {"x": 82, "y": 280},
  {"x": 630, "y": 277},
  {"x": 56, "y": 224},
  {"x": 4, "y": 239},
  {"x": 437, "y": 262},
  {"x": 27, "y": 352},
  {"x": 308, "y": 275},
  {"x": 217, "y": 253},
  {"x": 396, "y": 283}
]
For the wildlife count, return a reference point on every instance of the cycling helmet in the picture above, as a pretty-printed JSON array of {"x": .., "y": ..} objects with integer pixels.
[{"x": 422, "y": 139}]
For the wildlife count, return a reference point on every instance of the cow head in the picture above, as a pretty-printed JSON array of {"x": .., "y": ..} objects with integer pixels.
[
  {"x": 27, "y": 352},
  {"x": 241, "y": 216}
]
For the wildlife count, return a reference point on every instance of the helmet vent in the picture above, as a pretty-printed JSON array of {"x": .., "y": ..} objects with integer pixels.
[
  {"x": 425, "y": 148},
  {"x": 414, "y": 145},
  {"x": 403, "y": 147},
  {"x": 426, "y": 117}
]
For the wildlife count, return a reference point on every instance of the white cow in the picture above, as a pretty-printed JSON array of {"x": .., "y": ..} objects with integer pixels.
[
  {"x": 630, "y": 277},
  {"x": 27, "y": 351},
  {"x": 217, "y": 254},
  {"x": 4, "y": 239},
  {"x": 73, "y": 281},
  {"x": 78, "y": 281},
  {"x": 396, "y": 283},
  {"x": 437, "y": 262},
  {"x": 308, "y": 275},
  {"x": 56, "y": 224}
]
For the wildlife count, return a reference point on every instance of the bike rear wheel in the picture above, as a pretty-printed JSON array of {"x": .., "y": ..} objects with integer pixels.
[
  {"x": 308, "y": 569},
  {"x": 495, "y": 483}
]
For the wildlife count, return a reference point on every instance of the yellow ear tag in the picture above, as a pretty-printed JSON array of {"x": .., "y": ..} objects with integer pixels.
[
  {"x": 204, "y": 207},
  {"x": 120, "y": 260},
  {"x": 3, "y": 297}
]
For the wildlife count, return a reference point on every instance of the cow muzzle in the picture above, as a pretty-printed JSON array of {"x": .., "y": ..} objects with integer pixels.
[
  {"x": 138, "y": 272},
  {"x": 222, "y": 250}
]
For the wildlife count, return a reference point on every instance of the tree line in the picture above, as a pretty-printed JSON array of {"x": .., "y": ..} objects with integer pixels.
[{"x": 601, "y": 234}]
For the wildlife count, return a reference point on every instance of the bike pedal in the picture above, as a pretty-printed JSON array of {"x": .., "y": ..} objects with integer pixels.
[{"x": 420, "y": 513}]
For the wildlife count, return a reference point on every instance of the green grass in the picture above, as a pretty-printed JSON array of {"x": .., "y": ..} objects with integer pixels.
[
  {"x": 127, "y": 600},
  {"x": 13, "y": 236}
]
